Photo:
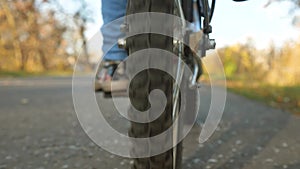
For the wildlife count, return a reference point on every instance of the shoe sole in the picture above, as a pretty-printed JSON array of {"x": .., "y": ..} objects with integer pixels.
[
  {"x": 98, "y": 87},
  {"x": 115, "y": 86}
]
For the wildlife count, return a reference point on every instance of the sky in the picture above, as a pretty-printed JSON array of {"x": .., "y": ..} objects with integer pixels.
[{"x": 235, "y": 22}]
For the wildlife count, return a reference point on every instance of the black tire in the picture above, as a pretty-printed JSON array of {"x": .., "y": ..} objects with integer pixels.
[{"x": 148, "y": 80}]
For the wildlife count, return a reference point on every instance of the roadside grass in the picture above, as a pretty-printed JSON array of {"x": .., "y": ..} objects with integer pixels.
[
  {"x": 19, "y": 74},
  {"x": 283, "y": 97}
]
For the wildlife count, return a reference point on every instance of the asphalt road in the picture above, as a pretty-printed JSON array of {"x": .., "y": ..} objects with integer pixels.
[{"x": 39, "y": 130}]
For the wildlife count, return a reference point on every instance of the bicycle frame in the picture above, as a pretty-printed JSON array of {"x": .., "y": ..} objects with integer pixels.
[
  {"x": 199, "y": 39},
  {"x": 186, "y": 13}
]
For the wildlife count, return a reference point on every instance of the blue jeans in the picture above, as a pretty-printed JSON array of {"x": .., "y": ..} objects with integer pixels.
[{"x": 112, "y": 10}]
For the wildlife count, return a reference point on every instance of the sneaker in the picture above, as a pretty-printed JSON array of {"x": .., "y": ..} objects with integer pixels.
[{"x": 108, "y": 76}]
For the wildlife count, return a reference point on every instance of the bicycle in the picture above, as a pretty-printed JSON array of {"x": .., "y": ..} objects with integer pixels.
[{"x": 151, "y": 79}]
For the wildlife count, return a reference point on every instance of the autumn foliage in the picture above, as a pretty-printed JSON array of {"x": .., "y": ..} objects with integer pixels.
[
  {"x": 274, "y": 65},
  {"x": 35, "y": 36}
]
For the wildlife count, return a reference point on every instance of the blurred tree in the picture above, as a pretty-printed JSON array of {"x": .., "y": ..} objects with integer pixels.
[
  {"x": 296, "y": 19},
  {"x": 9, "y": 32},
  {"x": 296, "y": 2},
  {"x": 276, "y": 65},
  {"x": 285, "y": 66},
  {"x": 33, "y": 36},
  {"x": 240, "y": 60},
  {"x": 81, "y": 16}
]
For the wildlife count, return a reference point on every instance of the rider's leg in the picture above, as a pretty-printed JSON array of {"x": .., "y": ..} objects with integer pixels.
[{"x": 112, "y": 10}]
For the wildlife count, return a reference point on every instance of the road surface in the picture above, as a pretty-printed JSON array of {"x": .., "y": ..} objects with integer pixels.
[{"x": 39, "y": 130}]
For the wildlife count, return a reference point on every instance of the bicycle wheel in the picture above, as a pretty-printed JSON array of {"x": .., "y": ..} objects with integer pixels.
[{"x": 145, "y": 82}]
